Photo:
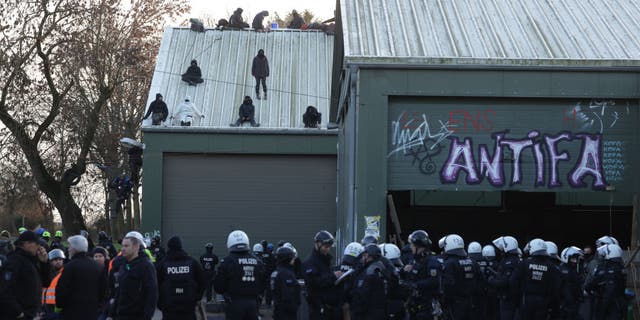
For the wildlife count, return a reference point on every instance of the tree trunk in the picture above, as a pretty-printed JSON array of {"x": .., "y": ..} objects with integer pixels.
[
  {"x": 71, "y": 214},
  {"x": 129, "y": 222},
  {"x": 136, "y": 208}
]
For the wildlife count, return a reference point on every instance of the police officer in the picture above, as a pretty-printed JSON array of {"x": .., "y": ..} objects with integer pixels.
[
  {"x": 181, "y": 282},
  {"x": 320, "y": 279},
  {"x": 396, "y": 294},
  {"x": 284, "y": 286},
  {"x": 589, "y": 303},
  {"x": 240, "y": 278},
  {"x": 537, "y": 282},
  {"x": 487, "y": 305},
  {"x": 552, "y": 251},
  {"x": 423, "y": 275},
  {"x": 209, "y": 261},
  {"x": 369, "y": 239},
  {"x": 46, "y": 236},
  {"x": 57, "y": 242},
  {"x": 156, "y": 248},
  {"x": 570, "y": 277},
  {"x": 369, "y": 288},
  {"x": 348, "y": 264},
  {"x": 461, "y": 277},
  {"x": 608, "y": 284},
  {"x": 105, "y": 242},
  {"x": 500, "y": 279}
]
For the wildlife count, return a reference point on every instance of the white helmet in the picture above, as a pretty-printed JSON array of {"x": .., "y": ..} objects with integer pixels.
[
  {"x": 610, "y": 251},
  {"x": 568, "y": 252},
  {"x": 353, "y": 249},
  {"x": 56, "y": 254},
  {"x": 238, "y": 241},
  {"x": 474, "y": 247},
  {"x": 451, "y": 242},
  {"x": 552, "y": 249},
  {"x": 506, "y": 244},
  {"x": 136, "y": 235},
  {"x": 258, "y": 248},
  {"x": 488, "y": 251},
  {"x": 390, "y": 251},
  {"x": 606, "y": 240},
  {"x": 290, "y": 246},
  {"x": 537, "y": 247}
]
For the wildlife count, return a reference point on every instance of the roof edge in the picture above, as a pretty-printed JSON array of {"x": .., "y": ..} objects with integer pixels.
[{"x": 241, "y": 130}]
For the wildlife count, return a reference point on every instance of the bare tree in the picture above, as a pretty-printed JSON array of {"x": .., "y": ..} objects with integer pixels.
[{"x": 64, "y": 62}]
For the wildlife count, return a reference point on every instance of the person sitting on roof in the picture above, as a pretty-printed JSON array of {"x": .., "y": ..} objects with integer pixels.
[
  {"x": 158, "y": 111},
  {"x": 312, "y": 118},
  {"x": 297, "y": 21},
  {"x": 257, "y": 21},
  {"x": 193, "y": 75},
  {"x": 185, "y": 112},
  {"x": 246, "y": 113},
  {"x": 236, "y": 20}
]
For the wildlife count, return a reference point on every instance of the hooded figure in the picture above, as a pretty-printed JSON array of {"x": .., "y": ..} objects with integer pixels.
[
  {"x": 158, "y": 111},
  {"x": 236, "y": 20},
  {"x": 246, "y": 113},
  {"x": 193, "y": 75},
  {"x": 260, "y": 71},
  {"x": 312, "y": 118},
  {"x": 257, "y": 21},
  {"x": 185, "y": 112},
  {"x": 297, "y": 21}
]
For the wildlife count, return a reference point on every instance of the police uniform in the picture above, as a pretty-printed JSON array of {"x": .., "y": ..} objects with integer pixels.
[
  {"x": 608, "y": 284},
  {"x": 240, "y": 279},
  {"x": 500, "y": 282},
  {"x": 209, "y": 261},
  {"x": 424, "y": 278},
  {"x": 461, "y": 281},
  {"x": 286, "y": 293},
  {"x": 537, "y": 282},
  {"x": 369, "y": 292},
  {"x": 571, "y": 290},
  {"x": 322, "y": 294},
  {"x": 485, "y": 303}
]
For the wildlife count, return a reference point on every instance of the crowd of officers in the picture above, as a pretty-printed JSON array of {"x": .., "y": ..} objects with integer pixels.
[{"x": 371, "y": 280}]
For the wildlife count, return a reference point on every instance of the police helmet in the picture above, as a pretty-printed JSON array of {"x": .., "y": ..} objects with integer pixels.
[
  {"x": 552, "y": 250},
  {"x": 474, "y": 248},
  {"x": 285, "y": 254},
  {"x": 537, "y": 247},
  {"x": 21, "y": 230},
  {"x": 372, "y": 250},
  {"x": 324, "y": 237},
  {"x": 5, "y": 234},
  {"x": 507, "y": 244},
  {"x": 85, "y": 234},
  {"x": 238, "y": 241},
  {"x": 488, "y": 251},
  {"x": 136, "y": 235},
  {"x": 102, "y": 235},
  {"x": 56, "y": 254},
  {"x": 258, "y": 248},
  {"x": 156, "y": 238},
  {"x": 58, "y": 234},
  {"x": 209, "y": 245},
  {"x": 569, "y": 252},
  {"x": 610, "y": 251},
  {"x": 606, "y": 240},
  {"x": 420, "y": 238},
  {"x": 369, "y": 239},
  {"x": 40, "y": 231},
  {"x": 290, "y": 246},
  {"x": 351, "y": 253},
  {"x": 392, "y": 253},
  {"x": 46, "y": 234},
  {"x": 452, "y": 244}
]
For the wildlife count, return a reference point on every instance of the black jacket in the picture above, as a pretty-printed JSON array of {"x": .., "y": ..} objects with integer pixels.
[
  {"x": 108, "y": 245},
  {"x": 81, "y": 288},
  {"x": 157, "y": 106},
  {"x": 286, "y": 292},
  {"x": 368, "y": 292},
  {"x": 296, "y": 23},
  {"x": 181, "y": 281},
  {"x": 247, "y": 110},
  {"x": 320, "y": 280},
  {"x": 240, "y": 275},
  {"x": 194, "y": 72},
  {"x": 260, "y": 66},
  {"x": 21, "y": 284},
  {"x": 209, "y": 261},
  {"x": 258, "y": 19},
  {"x": 137, "y": 292}
]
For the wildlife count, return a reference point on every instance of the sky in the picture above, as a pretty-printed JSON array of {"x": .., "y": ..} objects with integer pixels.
[{"x": 219, "y": 9}]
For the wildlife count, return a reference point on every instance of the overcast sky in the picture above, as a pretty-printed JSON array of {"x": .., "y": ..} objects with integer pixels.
[{"x": 218, "y": 9}]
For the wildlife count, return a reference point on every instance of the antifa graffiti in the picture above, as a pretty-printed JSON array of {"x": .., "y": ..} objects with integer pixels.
[{"x": 546, "y": 154}]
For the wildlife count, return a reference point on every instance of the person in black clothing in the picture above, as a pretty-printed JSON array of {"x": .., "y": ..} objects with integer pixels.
[
  {"x": 260, "y": 71},
  {"x": 397, "y": 294},
  {"x": 181, "y": 281},
  {"x": 258, "y": 20},
  {"x": 536, "y": 281},
  {"x": 571, "y": 278},
  {"x": 500, "y": 280},
  {"x": 246, "y": 113},
  {"x": 105, "y": 242},
  {"x": 135, "y": 163},
  {"x": 297, "y": 21},
  {"x": 368, "y": 291},
  {"x": 322, "y": 293},
  {"x": 158, "y": 111},
  {"x": 608, "y": 284},
  {"x": 236, "y": 20},
  {"x": 193, "y": 76},
  {"x": 23, "y": 276},
  {"x": 82, "y": 285},
  {"x": 312, "y": 118},
  {"x": 285, "y": 286},
  {"x": 156, "y": 248},
  {"x": 137, "y": 291},
  {"x": 209, "y": 261},
  {"x": 240, "y": 279}
]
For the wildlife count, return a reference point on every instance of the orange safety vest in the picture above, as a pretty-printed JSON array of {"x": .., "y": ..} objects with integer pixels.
[
  {"x": 49, "y": 294},
  {"x": 111, "y": 262}
]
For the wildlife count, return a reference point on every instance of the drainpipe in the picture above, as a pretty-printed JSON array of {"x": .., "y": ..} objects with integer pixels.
[{"x": 352, "y": 216}]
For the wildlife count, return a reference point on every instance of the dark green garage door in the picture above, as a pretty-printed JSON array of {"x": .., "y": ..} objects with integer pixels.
[{"x": 270, "y": 197}]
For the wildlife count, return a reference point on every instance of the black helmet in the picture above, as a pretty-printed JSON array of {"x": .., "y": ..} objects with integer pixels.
[
  {"x": 324, "y": 237},
  {"x": 156, "y": 238},
  {"x": 209, "y": 245},
  {"x": 369, "y": 240},
  {"x": 372, "y": 250},
  {"x": 420, "y": 238},
  {"x": 102, "y": 235},
  {"x": 284, "y": 254}
]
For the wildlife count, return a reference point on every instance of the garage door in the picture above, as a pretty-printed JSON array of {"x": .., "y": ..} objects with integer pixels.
[{"x": 269, "y": 197}]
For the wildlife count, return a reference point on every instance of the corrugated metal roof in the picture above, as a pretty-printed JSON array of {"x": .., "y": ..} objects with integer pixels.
[
  {"x": 300, "y": 65},
  {"x": 492, "y": 31}
]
